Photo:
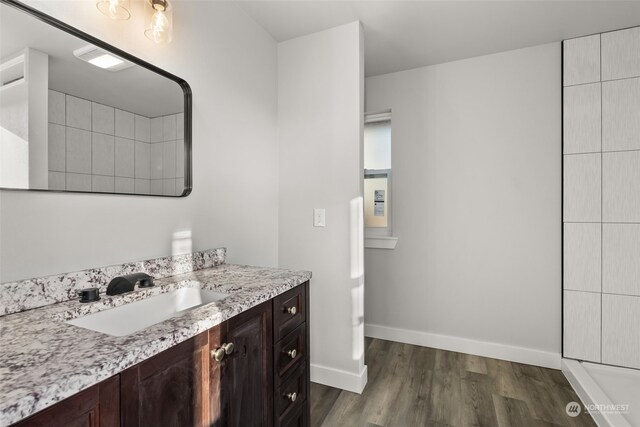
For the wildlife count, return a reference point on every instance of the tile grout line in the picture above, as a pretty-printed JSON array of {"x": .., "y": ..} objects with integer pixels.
[
  {"x": 602, "y": 81},
  {"x": 601, "y": 202}
]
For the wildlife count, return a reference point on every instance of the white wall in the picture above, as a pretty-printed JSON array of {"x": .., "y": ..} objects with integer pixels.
[
  {"x": 476, "y": 184},
  {"x": 230, "y": 63},
  {"x": 320, "y": 106}
]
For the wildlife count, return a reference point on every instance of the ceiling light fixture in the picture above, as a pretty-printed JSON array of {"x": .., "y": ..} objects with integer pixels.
[
  {"x": 159, "y": 21},
  {"x": 101, "y": 58},
  {"x": 115, "y": 9}
]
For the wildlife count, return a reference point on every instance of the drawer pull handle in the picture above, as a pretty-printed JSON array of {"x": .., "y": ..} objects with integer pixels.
[
  {"x": 219, "y": 353},
  {"x": 292, "y": 353},
  {"x": 292, "y": 310},
  {"x": 292, "y": 396}
]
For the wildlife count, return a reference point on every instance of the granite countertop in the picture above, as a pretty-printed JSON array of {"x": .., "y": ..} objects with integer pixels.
[{"x": 43, "y": 360}]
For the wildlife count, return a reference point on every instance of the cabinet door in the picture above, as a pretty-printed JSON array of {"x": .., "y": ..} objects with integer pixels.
[
  {"x": 170, "y": 389},
  {"x": 97, "y": 406},
  {"x": 247, "y": 373}
]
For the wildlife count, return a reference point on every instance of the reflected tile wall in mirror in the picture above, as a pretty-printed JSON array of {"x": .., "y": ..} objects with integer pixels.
[{"x": 99, "y": 148}]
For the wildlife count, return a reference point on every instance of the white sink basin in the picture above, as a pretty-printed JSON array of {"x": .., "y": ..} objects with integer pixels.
[{"x": 133, "y": 317}]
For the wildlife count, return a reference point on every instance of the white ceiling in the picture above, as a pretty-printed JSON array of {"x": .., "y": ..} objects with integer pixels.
[{"x": 401, "y": 35}]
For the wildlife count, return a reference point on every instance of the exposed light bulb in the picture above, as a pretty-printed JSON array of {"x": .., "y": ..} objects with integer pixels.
[
  {"x": 159, "y": 26},
  {"x": 114, "y": 9}
]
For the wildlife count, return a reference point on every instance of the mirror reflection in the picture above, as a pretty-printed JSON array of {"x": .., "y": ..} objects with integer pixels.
[{"x": 76, "y": 117}]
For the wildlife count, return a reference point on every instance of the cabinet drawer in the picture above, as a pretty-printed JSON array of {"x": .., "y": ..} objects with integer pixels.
[
  {"x": 297, "y": 417},
  {"x": 292, "y": 394},
  {"x": 290, "y": 351},
  {"x": 289, "y": 311}
]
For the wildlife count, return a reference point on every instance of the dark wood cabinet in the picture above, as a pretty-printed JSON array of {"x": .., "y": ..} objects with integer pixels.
[
  {"x": 252, "y": 370},
  {"x": 97, "y": 406},
  {"x": 170, "y": 389},
  {"x": 245, "y": 374},
  {"x": 291, "y": 357}
]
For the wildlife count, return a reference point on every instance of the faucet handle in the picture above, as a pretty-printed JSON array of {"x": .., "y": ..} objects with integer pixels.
[
  {"x": 89, "y": 294},
  {"x": 146, "y": 283}
]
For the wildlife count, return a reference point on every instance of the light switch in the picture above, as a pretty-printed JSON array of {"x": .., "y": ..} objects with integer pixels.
[{"x": 319, "y": 217}]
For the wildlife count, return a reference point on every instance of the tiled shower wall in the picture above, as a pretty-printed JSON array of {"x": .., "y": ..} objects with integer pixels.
[
  {"x": 601, "y": 161},
  {"x": 96, "y": 147}
]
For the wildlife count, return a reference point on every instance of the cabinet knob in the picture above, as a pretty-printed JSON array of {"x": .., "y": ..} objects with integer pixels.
[
  {"x": 228, "y": 348},
  {"x": 225, "y": 349},
  {"x": 292, "y": 310},
  {"x": 292, "y": 396},
  {"x": 218, "y": 354},
  {"x": 292, "y": 353}
]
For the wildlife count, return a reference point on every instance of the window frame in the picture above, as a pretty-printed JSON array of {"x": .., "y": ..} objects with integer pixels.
[{"x": 381, "y": 237}]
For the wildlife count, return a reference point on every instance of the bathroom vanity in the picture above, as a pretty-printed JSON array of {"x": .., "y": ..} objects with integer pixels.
[
  {"x": 263, "y": 381},
  {"x": 239, "y": 361}
]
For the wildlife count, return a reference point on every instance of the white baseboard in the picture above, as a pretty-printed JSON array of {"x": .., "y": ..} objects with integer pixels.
[
  {"x": 339, "y": 379},
  {"x": 464, "y": 345}
]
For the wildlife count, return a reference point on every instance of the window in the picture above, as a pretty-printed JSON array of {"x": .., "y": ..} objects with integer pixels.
[{"x": 377, "y": 179}]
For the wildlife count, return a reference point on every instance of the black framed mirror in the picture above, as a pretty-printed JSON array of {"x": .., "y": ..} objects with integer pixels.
[{"x": 80, "y": 115}]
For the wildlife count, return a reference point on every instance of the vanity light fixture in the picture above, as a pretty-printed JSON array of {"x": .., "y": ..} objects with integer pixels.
[
  {"x": 115, "y": 9},
  {"x": 159, "y": 21},
  {"x": 101, "y": 58}
]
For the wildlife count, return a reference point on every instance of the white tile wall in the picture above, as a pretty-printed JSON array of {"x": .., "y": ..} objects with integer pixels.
[
  {"x": 582, "y": 187},
  {"x": 142, "y": 160},
  {"x": 103, "y": 118},
  {"x": 621, "y": 54},
  {"x": 180, "y": 158},
  {"x": 156, "y": 187},
  {"x": 78, "y": 182},
  {"x": 582, "y": 247},
  {"x": 621, "y": 330},
  {"x": 179, "y": 186},
  {"x": 621, "y": 115},
  {"x": 125, "y": 157},
  {"x": 169, "y": 187},
  {"x": 104, "y": 184},
  {"x": 57, "y": 107},
  {"x": 582, "y": 118},
  {"x": 169, "y": 128},
  {"x": 621, "y": 186},
  {"x": 78, "y": 149},
  {"x": 621, "y": 259},
  {"x": 124, "y": 185},
  {"x": 180, "y": 126},
  {"x": 169, "y": 159},
  {"x": 95, "y": 147},
  {"x": 582, "y": 317},
  {"x": 57, "y": 150},
  {"x": 142, "y": 186},
  {"x": 103, "y": 154},
  {"x": 78, "y": 114},
  {"x": 142, "y": 129},
  {"x": 155, "y": 156},
  {"x": 124, "y": 124},
  {"x": 157, "y": 129},
  {"x": 57, "y": 180},
  {"x": 602, "y": 322},
  {"x": 581, "y": 60}
]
